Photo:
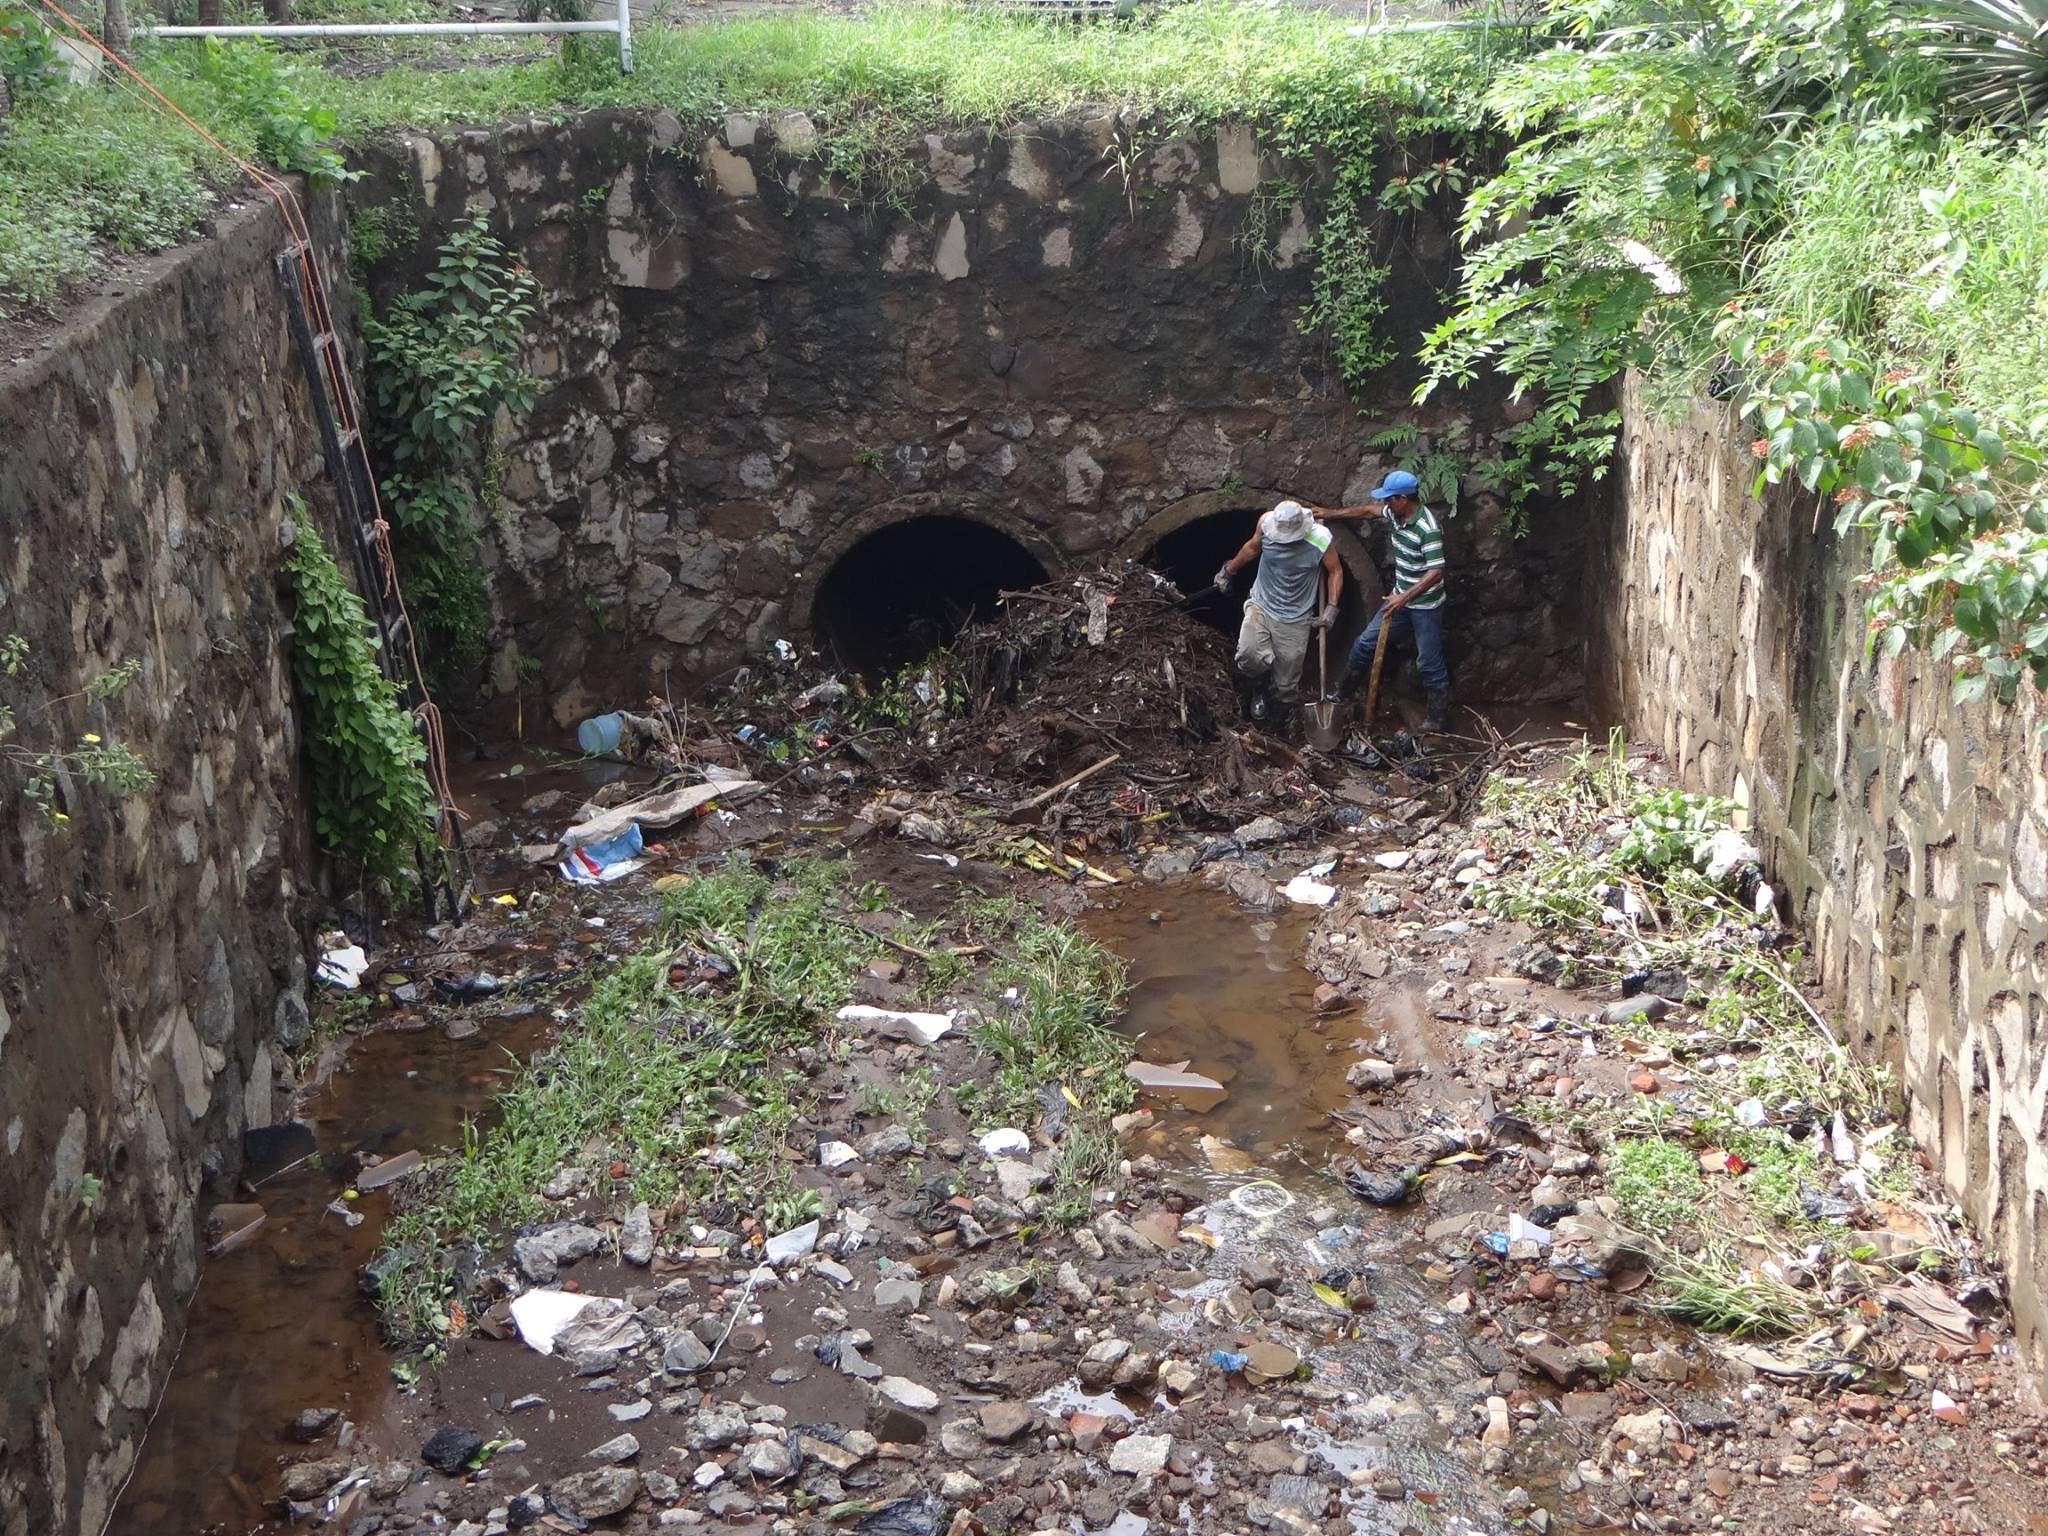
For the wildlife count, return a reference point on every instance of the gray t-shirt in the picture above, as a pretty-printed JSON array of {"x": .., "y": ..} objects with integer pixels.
[{"x": 1287, "y": 585}]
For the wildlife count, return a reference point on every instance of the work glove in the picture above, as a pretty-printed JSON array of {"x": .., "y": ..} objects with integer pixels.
[
  {"x": 1326, "y": 618},
  {"x": 1223, "y": 579}
]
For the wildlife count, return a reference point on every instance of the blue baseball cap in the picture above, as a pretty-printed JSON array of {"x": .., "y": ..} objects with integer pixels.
[{"x": 1398, "y": 483}]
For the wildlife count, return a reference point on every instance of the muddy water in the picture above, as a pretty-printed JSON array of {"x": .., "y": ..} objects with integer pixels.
[
  {"x": 1226, "y": 992},
  {"x": 279, "y": 1324}
]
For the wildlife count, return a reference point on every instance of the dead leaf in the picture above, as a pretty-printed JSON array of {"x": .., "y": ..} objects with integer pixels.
[{"x": 1934, "y": 1307}]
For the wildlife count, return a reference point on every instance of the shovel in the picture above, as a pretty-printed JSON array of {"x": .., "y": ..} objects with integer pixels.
[{"x": 1323, "y": 731}]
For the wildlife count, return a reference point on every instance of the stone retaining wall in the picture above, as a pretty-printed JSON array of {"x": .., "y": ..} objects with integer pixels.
[
  {"x": 1061, "y": 329},
  {"x": 1910, "y": 835},
  {"x": 152, "y": 981}
]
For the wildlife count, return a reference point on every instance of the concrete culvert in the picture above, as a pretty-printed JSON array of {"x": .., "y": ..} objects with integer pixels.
[
  {"x": 908, "y": 588},
  {"x": 1190, "y": 554}
]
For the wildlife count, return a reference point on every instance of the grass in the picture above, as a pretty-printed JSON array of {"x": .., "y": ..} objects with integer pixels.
[
  {"x": 1932, "y": 252},
  {"x": 655, "y": 1078},
  {"x": 86, "y": 170},
  {"x": 1590, "y": 833},
  {"x": 650, "y": 1077}
]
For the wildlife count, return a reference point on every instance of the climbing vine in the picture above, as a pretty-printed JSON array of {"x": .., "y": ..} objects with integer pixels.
[
  {"x": 372, "y": 803},
  {"x": 442, "y": 366}
]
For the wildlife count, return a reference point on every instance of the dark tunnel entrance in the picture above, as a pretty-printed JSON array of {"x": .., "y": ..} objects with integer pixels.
[
  {"x": 908, "y": 588},
  {"x": 1191, "y": 554}
]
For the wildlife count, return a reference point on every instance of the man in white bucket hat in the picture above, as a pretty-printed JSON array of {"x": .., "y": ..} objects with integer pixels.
[{"x": 1294, "y": 594}]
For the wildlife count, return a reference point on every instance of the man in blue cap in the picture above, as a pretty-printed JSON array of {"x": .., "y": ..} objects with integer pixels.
[{"x": 1415, "y": 608}]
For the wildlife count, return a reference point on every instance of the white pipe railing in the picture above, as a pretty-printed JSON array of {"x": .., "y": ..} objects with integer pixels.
[{"x": 621, "y": 26}]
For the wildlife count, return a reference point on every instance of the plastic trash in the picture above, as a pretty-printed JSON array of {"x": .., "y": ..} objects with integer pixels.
[
  {"x": 595, "y": 863},
  {"x": 1227, "y": 1362},
  {"x": 541, "y": 1315},
  {"x": 344, "y": 967},
  {"x": 1006, "y": 1143},
  {"x": 793, "y": 1244},
  {"x": 831, "y": 691},
  {"x": 924, "y": 1028},
  {"x": 1306, "y": 891},
  {"x": 1192, "y": 1089},
  {"x": 598, "y": 735}
]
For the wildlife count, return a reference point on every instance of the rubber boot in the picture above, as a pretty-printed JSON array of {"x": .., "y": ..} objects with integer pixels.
[
  {"x": 1262, "y": 704},
  {"x": 1437, "y": 717},
  {"x": 1279, "y": 715}
]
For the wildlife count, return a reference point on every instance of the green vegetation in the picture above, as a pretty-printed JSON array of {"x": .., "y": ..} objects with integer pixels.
[
  {"x": 669, "y": 1089},
  {"x": 1736, "y": 1168},
  {"x": 371, "y": 801},
  {"x": 1795, "y": 202},
  {"x": 98, "y": 759},
  {"x": 441, "y": 370},
  {"x": 86, "y": 169}
]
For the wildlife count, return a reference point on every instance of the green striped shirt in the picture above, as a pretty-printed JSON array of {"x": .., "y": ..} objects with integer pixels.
[{"x": 1418, "y": 550}]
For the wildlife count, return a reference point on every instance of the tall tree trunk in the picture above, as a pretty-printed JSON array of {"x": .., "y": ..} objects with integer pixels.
[
  {"x": 279, "y": 12},
  {"x": 114, "y": 28},
  {"x": 210, "y": 13}
]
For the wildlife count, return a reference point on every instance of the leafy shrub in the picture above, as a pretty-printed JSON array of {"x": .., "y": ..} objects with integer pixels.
[
  {"x": 256, "y": 84},
  {"x": 372, "y": 803},
  {"x": 29, "y": 64},
  {"x": 1670, "y": 827},
  {"x": 442, "y": 365}
]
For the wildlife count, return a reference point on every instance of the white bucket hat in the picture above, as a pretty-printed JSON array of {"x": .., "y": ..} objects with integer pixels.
[{"x": 1287, "y": 523}]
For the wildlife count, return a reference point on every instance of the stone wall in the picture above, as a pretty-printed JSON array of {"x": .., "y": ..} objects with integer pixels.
[
  {"x": 151, "y": 978},
  {"x": 1061, "y": 330},
  {"x": 1910, "y": 835}
]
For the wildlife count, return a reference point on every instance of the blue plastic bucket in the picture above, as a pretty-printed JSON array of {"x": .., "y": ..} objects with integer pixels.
[{"x": 598, "y": 735}]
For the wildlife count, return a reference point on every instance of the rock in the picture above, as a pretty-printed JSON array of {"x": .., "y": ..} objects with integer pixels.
[
  {"x": 768, "y": 1460},
  {"x": 708, "y": 1475},
  {"x": 1004, "y": 1422},
  {"x": 1642, "y": 1080},
  {"x": 710, "y": 1429},
  {"x": 312, "y": 1423},
  {"x": 1663, "y": 1365},
  {"x": 629, "y": 1413},
  {"x": 310, "y": 1479},
  {"x": 957, "y": 1485},
  {"x": 838, "y": 1457},
  {"x": 1251, "y": 889},
  {"x": 1644, "y": 1007},
  {"x": 541, "y": 1255},
  {"x": 636, "y": 1237},
  {"x": 1259, "y": 831},
  {"x": 595, "y": 1495},
  {"x": 686, "y": 1353},
  {"x": 1101, "y": 1361},
  {"x": 1180, "y": 1377},
  {"x": 905, "y": 1393},
  {"x": 615, "y": 1450},
  {"x": 1644, "y": 1430},
  {"x": 887, "y": 1145},
  {"x": 1542, "y": 1286},
  {"x": 962, "y": 1438},
  {"x": 450, "y": 1448},
  {"x": 1018, "y": 1181},
  {"x": 1141, "y": 1455},
  {"x": 891, "y": 1294},
  {"x": 1499, "y": 1429}
]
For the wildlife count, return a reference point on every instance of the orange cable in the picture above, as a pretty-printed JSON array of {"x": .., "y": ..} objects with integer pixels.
[{"x": 313, "y": 293}]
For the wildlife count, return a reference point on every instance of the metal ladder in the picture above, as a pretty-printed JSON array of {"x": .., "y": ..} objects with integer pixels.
[{"x": 447, "y": 881}]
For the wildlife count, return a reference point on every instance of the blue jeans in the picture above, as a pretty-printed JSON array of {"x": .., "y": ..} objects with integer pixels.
[{"x": 1426, "y": 626}]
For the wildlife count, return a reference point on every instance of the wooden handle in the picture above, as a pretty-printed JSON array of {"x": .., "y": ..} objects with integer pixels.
[{"x": 1379, "y": 657}]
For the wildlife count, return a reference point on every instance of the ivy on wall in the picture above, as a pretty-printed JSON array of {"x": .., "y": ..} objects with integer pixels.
[
  {"x": 371, "y": 802},
  {"x": 442, "y": 366}
]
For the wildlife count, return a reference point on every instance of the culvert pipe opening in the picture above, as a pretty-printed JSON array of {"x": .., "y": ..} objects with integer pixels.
[
  {"x": 1191, "y": 554},
  {"x": 908, "y": 588}
]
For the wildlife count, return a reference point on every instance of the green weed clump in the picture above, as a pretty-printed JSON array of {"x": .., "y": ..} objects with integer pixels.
[
  {"x": 1610, "y": 870},
  {"x": 649, "y": 1076},
  {"x": 656, "y": 1078},
  {"x": 1658, "y": 1184}
]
